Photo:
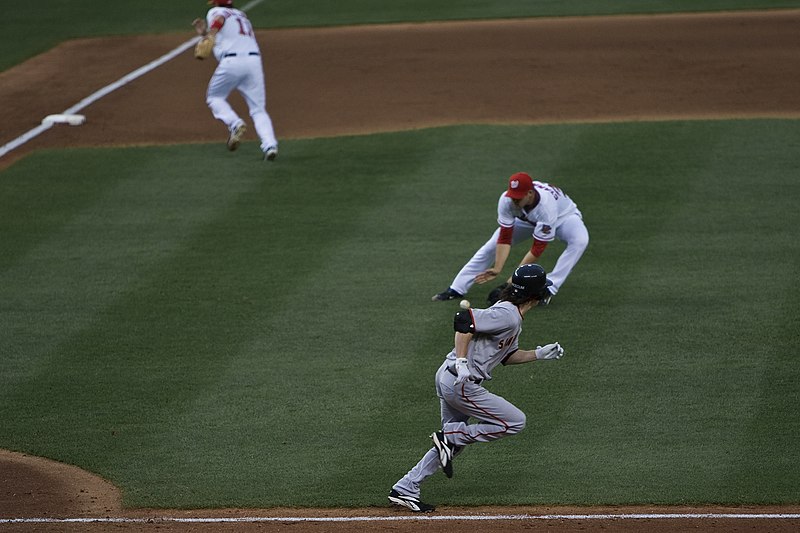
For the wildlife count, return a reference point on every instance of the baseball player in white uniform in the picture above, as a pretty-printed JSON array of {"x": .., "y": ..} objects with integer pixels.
[
  {"x": 526, "y": 209},
  {"x": 484, "y": 338},
  {"x": 240, "y": 68}
]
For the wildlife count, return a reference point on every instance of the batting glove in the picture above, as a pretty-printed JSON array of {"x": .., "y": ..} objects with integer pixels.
[
  {"x": 549, "y": 351},
  {"x": 462, "y": 368}
]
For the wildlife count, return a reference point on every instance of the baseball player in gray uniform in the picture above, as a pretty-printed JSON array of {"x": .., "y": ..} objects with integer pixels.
[
  {"x": 526, "y": 209},
  {"x": 484, "y": 338}
]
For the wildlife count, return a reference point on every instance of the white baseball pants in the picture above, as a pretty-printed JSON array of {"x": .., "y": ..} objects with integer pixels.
[
  {"x": 246, "y": 75},
  {"x": 571, "y": 230}
]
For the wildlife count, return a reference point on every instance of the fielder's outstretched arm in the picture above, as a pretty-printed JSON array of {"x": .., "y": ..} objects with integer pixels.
[
  {"x": 500, "y": 255},
  {"x": 533, "y": 255},
  {"x": 200, "y": 26}
]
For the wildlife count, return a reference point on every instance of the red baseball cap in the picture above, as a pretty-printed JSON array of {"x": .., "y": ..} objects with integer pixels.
[{"x": 518, "y": 185}]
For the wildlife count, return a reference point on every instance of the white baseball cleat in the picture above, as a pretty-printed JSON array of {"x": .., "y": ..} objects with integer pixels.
[
  {"x": 411, "y": 502},
  {"x": 271, "y": 153},
  {"x": 236, "y": 136}
]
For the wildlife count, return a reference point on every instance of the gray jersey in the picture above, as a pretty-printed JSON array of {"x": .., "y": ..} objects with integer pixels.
[{"x": 496, "y": 338}]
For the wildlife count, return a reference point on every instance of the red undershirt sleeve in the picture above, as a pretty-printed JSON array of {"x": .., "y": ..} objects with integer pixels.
[
  {"x": 505, "y": 235},
  {"x": 538, "y": 247}
]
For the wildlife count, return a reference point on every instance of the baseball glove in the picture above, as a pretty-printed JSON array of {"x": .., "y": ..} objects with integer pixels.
[
  {"x": 203, "y": 48},
  {"x": 494, "y": 295}
]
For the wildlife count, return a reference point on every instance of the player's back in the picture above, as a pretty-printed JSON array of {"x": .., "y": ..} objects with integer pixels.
[
  {"x": 552, "y": 195},
  {"x": 236, "y": 36}
]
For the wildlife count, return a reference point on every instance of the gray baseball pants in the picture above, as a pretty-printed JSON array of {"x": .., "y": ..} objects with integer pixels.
[{"x": 496, "y": 417}]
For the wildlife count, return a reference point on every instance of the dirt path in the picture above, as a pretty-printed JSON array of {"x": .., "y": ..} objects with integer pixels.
[{"x": 326, "y": 82}]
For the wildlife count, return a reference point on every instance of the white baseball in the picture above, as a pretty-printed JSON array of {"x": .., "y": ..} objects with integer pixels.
[{"x": 464, "y": 304}]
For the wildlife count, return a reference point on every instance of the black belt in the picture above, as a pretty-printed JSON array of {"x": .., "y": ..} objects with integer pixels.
[
  {"x": 453, "y": 371},
  {"x": 233, "y": 54}
]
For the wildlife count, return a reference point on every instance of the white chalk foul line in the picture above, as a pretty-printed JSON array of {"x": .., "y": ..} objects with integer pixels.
[
  {"x": 22, "y": 139},
  {"x": 422, "y": 517},
  {"x": 38, "y": 130}
]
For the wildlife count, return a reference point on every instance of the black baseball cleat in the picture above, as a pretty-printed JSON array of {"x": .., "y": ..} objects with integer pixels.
[
  {"x": 449, "y": 294},
  {"x": 410, "y": 502},
  {"x": 446, "y": 451},
  {"x": 494, "y": 294},
  {"x": 546, "y": 299}
]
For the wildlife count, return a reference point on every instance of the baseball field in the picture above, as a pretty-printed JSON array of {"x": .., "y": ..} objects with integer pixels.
[{"x": 194, "y": 340}]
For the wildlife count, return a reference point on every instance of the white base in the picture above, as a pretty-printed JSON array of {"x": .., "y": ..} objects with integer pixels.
[{"x": 72, "y": 120}]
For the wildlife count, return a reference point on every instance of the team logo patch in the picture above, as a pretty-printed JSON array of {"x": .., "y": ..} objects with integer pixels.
[
  {"x": 514, "y": 184},
  {"x": 546, "y": 230}
]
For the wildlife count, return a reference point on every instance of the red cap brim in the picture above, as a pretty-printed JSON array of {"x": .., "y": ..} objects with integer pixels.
[{"x": 516, "y": 194}]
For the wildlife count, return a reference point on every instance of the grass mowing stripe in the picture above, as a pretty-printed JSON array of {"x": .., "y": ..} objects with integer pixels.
[
  {"x": 674, "y": 311},
  {"x": 260, "y": 342},
  {"x": 765, "y": 325},
  {"x": 698, "y": 239},
  {"x": 98, "y": 259},
  {"x": 53, "y": 203}
]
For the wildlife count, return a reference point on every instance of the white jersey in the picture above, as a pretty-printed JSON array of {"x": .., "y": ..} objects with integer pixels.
[
  {"x": 236, "y": 37},
  {"x": 496, "y": 338},
  {"x": 545, "y": 216}
]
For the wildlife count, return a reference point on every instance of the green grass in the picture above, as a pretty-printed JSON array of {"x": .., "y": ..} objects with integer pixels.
[
  {"x": 33, "y": 27},
  {"x": 263, "y": 336}
]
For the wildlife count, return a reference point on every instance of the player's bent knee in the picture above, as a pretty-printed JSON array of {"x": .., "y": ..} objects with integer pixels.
[
  {"x": 517, "y": 423},
  {"x": 214, "y": 101},
  {"x": 579, "y": 243}
]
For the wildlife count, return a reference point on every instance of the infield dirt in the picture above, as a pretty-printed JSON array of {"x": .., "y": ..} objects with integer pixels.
[{"x": 340, "y": 81}]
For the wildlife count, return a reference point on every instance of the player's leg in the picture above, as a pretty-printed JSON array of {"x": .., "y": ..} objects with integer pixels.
[
  {"x": 222, "y": 82},
  {"x": 254, "y": 93},
  {"x": 497, "y": 417},
  {"x": 480, "y": 261},
  {"x": 429, "y": 464},
  {"x": 572, "y": 231},
  {"x": 426, "y": 467}
]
